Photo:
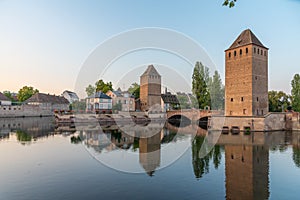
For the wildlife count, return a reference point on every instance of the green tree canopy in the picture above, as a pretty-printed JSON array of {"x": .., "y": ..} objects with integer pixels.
[
  {"x": 9, "y": 95},
  {"x": 278, "y": 101},
  {"x": 217, "y": 92},
  {"x": 90, "y": 90},
  {"x": 200, "y": 81},
  {"x": 229, "y": 3},
  {"x": 296, "y": 92},
  {"x": 26, "y": 92},
  {"x": 134, "y": 89},
  {"x": 102, "y": 86}
]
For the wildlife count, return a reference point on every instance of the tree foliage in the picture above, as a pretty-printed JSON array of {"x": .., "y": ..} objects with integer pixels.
[
  {"x": 296, "y": 156},
  {"x": 278, "y": 101},
  {"x": 296, "y": 92},
  {"x": 26, "y": 92},
  {"x": 134, "y": 89},
  {"x": 9, "y": 95},
  {"x": 229, "y": 3},
  {"x": 217, "y": 92},
  {"x": 200, "y": 80},
  {"x": 102, "y": 86},
  {"x": 90, "y": 90},
  {"x": 117, "y": 107}
]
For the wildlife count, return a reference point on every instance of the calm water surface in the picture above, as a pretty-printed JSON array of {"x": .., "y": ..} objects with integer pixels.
[{"x": 42, "y": 161}]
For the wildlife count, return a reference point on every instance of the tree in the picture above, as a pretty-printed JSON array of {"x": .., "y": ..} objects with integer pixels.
[
  {"x": 229, "y": 3},
  {"x": 296, "y": 92},
  {"x": 78, "y": 106},
  {"x": 117, "y": 107},
  {"x": 8, "y": 94},
  {"x": 90, "y": 90},
  {"x": 103, "y": 87},
  {"x": 278, "y": 101},
  {"x": 217, "y": 92},
  {"x": 134, "y": 89},
  {"x": 296, "y": 156},
  {"x": 200, "y": 80},
  {"x": 26, "y": 92}
]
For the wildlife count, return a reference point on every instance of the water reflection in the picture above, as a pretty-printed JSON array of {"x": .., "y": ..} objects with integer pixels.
[{"x": 245, "y": 157}]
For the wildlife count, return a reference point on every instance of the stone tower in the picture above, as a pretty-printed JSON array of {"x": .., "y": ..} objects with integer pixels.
[
  {"x": 150, "y": 89},
  {"x": 246, "y": 77}
]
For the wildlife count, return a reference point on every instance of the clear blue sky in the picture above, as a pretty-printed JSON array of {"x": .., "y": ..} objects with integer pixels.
[{"x": 45, "y": 43}]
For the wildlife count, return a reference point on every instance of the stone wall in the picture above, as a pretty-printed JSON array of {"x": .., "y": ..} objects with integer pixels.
[{"x": 24, "y": 111}]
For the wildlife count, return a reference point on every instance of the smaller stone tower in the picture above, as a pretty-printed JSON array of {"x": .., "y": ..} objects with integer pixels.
[{"x": 150, "y": 89}]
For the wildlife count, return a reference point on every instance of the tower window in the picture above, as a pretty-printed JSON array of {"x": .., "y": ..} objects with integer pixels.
[
  {"x": 241, "y": 51},
  {"x": 261, "y": 52},
  {"x": 229, "y": 54},
  {"x": 254, "y": 50},
  {"x": 257, "y": 51},
  {"x": 244, "y": 111},
  {"x": 234, "y": 53},
  {"x": 246, "y": 50},
  {"x": 242, "y": 98},
  {"x": 231, "y": 99},
  {"x": 256, "y": 98},
  {"x": 265, "y": 53}
]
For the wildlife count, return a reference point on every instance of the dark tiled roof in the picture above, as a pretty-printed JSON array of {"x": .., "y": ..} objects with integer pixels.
[
  {"x": 169, "y": 98},
  {"x": 72, "y": 94},
  {"x": 245, "y": 38},
  {"x": 100, "y": 95},
  {"x": 3, "y": 97},
  {"x": 150, "y": 71},
  {"x": 47, "y": 98}
]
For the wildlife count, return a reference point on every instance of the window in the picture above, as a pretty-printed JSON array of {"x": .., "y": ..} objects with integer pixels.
[
  {"x": 231, "y": 99},
  {"x": 234, "y": 53},
  {"x": 246, "y": 50},
  {"x": 256, "y": 98},
  {"x": 254, "y": 50},
  {"x": 262, "y": 112},
  {"x": 244, "y": 111},
  {"x": 257, "y": 51},
  {"x": 241, "y": 51},
  {"x": 229, "y": 54},
  {"x": 265, "y": 53},
  {"x": 255, "y": 77},
  {"x": 242, "y": 98}
]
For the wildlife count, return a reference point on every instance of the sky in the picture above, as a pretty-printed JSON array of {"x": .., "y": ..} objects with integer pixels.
[{"x": 45, "y": 44}]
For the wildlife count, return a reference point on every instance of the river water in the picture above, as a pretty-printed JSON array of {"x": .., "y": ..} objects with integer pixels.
[{"x": 40, "y": 160}]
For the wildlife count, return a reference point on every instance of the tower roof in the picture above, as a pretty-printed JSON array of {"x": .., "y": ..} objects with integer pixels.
[
  {"x": 150, "y": 71},
  {"x": 245, "y": 38}
]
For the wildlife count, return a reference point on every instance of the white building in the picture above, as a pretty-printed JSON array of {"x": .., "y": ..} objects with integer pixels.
[
  {"x": 99, "y": 103},
  {"x": 4, "y": 101},
  {"x": 70, "y": 96}
]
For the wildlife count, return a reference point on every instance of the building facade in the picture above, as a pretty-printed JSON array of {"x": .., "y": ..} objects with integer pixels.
[
  {"x": 246, "y": 77},
  {"x": 4, "y": 101},
  {"x": 70, "y": 96},
  {"x": 150, "y": 90},
  {"x": 123, "y": 98},
  {"x": 48, "y": 102},
  {"x": 99, "y": 103}
]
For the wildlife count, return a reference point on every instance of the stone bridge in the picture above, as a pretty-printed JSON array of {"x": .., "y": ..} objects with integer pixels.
[{"x": 191, "y": 114}]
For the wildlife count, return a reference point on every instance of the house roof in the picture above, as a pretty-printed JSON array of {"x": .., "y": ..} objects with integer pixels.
[
  {"x": 150, "y": 71},
  {"x": 71, "y": 94},
  {"x": 3, "y": 97},
  {"x": 47, "y": 98},
  {"x": 245, "y": 38},
  {"x": 99, "y": 95},
  {"x": 169, "y": 98}
]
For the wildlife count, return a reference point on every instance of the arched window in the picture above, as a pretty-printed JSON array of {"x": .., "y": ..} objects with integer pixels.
[
  {"x": 229, "y": 54},
  {"x": 246, "y": 50},
  {"x": 254, "y": 50},
  {"x": 241, "y": 51},
  {"x": 234, "y": 53}
]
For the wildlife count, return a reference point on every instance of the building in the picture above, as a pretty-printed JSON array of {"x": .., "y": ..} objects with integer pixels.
[
  {"x": 124, "y": 98},
  {"x": 70, "y": 96},
  {"x": 48, "y": 102},
  {"x": 99, "y": 103},
  {"x": 169, "y": 102},
  {"x": 246, "y": 77},
  {"x": 4, "y": 101},
  {"x": 150, "y": 89}
]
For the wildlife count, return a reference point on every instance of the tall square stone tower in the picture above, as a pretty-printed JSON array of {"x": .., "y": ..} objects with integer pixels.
[
  {"x": 246, "y": 77},
  {"x": 150, "y": 89}
]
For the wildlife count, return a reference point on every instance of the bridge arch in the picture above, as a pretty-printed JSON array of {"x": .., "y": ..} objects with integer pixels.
[
  {"x": 203, "y": 122},
  {"x": 179, "y": 120}
]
